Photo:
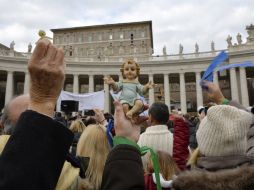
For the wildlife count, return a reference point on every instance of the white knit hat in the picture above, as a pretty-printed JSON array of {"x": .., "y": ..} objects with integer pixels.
[{"x": 224, "y": 131}]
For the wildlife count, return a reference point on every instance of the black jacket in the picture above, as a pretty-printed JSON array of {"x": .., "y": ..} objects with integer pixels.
[
  {"x": 35, "y": 153},
  {"x": 123, "y": 169}
]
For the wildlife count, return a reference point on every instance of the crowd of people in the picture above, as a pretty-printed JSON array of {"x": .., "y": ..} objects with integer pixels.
[{"x": 41, "y": 150}]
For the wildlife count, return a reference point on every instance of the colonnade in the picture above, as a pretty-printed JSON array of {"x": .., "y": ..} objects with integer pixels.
[{"x": 235, "y": 95}]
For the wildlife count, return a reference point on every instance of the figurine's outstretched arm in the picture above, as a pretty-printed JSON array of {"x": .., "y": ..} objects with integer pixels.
[
  {"x": 110, "y": 81},
  {"x": 148, "y": 86}
]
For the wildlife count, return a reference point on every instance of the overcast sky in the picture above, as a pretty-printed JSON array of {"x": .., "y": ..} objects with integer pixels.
[{"x": 174, "y": 21}]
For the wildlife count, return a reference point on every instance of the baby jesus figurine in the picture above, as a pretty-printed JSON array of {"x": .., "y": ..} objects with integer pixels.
[{"x": 130, "y": 87}]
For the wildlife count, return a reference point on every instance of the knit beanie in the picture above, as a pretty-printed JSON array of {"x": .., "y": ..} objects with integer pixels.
[{"x": 223, "y": 132}]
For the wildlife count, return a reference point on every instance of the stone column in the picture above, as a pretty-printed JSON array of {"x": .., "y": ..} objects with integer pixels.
[
  {"x": 106, "y": 97},
  {"x": 215, "y": 78},
  {"x": 9, "y": 87},
  {"x": 199, "y": 90},
  {"x": 91, "y": 83},
  {"x": 244, "y": 88},
  {"x": 233, "y": 85},
  {"x": 75, "y": 84},
  {"x": 26, "y": 83},
  {"x": 167, "y": 91},
  {"x": 183, "y": 94},
  {"x": 151, "y": 91}
]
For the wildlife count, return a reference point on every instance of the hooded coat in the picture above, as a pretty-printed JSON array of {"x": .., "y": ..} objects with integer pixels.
[{"x": 241, "y": 178}]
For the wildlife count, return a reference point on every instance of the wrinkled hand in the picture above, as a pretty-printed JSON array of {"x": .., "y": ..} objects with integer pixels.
[
  {"x": 109, "y": 80},
  {"x": 213, "y": 92},
  {"x": 47, "y": 72},
  {"x": 125, "y": 127}
]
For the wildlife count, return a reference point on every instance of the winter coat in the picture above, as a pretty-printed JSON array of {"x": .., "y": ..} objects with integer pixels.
[
  {"x": 180, "y": 143},
  {"x": 123, "y": 169},
  {"x": 192, "y": 139},
  {"x": 218, "y": 173},
  {"x": 240, "y": 178},
  {"x": 35, "y": 153}
]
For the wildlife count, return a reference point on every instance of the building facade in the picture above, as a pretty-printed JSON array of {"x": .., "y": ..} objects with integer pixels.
[{"x": 93, "y": 52}]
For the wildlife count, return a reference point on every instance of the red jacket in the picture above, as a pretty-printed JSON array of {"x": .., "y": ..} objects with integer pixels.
[{"x": 180, "y": 143}]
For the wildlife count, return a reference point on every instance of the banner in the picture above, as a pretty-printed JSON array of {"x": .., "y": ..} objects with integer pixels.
[
  {"x": 86, "y": 101},
  {"x": 218, "y": 60}
]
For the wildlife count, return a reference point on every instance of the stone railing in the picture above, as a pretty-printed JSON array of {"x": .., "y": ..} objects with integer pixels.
[{"x": 9, "y": 53}]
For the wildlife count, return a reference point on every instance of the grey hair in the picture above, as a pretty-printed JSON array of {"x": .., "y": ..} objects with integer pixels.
[{"x": 8, "y": 125}]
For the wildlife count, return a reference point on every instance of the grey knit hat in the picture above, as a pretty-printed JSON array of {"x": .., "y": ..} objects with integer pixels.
[{"x": 223, "y": 132}]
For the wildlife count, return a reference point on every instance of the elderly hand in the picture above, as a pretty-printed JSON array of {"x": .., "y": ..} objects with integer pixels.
[
  {"x": 47, "y": 72},
  {"x": 125, "y": 127}
]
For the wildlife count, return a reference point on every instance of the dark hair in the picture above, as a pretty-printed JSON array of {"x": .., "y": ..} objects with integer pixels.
[{"x": 159, "y": 112}]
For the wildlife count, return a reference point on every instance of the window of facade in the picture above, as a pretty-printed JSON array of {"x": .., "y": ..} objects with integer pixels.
[
  {"x": 90, "y": 38},
  {"x": 100, "y": 37},
  {"x": 57, "y": 40},
  {"x": 142, "y": 34},
  {"x": 68, "y": 38},
  {"x": 132, "y": 38},
  {"x": 110, "y": 34},
  {"x": 80, "y": 37}
]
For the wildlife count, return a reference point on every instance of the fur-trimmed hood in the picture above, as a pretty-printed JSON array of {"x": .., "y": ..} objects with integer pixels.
[{"x": 241, "y": 178}]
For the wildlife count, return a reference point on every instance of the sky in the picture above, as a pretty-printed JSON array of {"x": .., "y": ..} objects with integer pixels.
[{"x": 174, "y": 21}]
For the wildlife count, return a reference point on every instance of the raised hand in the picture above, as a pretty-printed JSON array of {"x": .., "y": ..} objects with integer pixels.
[
  {"x": 99, "y": 116},
  {"x": 125, "y": 127},
  {"x": 213, "y": 92},
  {"x": 47, "y": 72}
]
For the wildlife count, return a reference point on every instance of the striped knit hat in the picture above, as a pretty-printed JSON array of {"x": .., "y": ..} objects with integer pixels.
[{"x": 224, "y": 131}]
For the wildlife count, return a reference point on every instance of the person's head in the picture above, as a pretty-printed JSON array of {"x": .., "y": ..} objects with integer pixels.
[
  {"x": 130, "y": 69},
  {"x": 93, "y": 143},
  {"x": 89, "y": 120},
  {"x": 77, "y": 126},
  {"x": 158, "y": 113},
  {"x": 12, "y": 112},
  {"x": 168, "y": 167},
  {"x": 223, "y": 132}
]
